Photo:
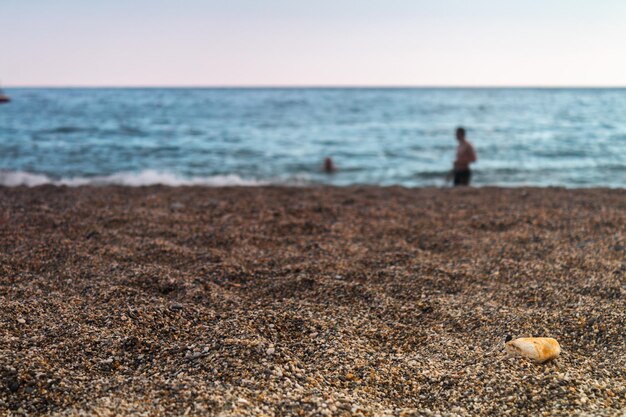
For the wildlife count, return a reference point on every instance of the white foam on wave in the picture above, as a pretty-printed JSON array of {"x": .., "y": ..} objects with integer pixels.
[
  {"x": 130, "y": 179},
  {"x": 15, "y": 179}
]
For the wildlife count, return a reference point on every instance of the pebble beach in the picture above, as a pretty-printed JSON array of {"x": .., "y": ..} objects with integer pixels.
[{"x": 310, "y": 301}]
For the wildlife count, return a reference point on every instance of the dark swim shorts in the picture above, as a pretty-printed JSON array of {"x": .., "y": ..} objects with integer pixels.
[{"x": 462, "y": 178}]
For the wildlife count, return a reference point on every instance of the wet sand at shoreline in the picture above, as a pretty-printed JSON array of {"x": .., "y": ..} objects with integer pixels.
[{"x": 310, "y": 301}]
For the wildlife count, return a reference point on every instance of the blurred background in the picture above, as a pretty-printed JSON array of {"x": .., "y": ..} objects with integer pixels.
[{"x": 244, "y": 93}]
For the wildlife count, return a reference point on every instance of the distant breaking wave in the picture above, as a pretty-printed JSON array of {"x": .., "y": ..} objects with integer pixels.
[{"x": 130, "y": 179}]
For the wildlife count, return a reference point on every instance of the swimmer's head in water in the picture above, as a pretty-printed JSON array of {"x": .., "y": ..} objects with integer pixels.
[
  {"x": 460, "y": 133},
  {"x": 329, "y": 166}
]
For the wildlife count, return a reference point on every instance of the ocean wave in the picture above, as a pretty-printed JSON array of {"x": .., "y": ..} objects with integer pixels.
[
  {"x": 130, "y": 179},
  {"x": 126, "y": 131},
  {"x": 432, "y": 174},
  {"x": 65, "y": 130}
]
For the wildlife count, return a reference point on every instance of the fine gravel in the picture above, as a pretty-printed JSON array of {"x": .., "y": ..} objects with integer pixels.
[{"x": 315, "y": 301}]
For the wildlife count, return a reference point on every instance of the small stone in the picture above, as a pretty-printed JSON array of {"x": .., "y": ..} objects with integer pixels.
[
  {"x": 91, "y": 234},
  {"x": 270, "y": 350},
  {"x": 21, "y": 321},
  {"x": 14, "y": 385},
  {"x": 176, "y": 307}
]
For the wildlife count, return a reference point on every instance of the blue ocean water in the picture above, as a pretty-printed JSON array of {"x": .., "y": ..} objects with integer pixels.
[{"x": 539, "y": 137}]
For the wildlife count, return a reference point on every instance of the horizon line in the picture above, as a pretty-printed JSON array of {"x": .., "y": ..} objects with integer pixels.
[{"x": 321, "y": 86}]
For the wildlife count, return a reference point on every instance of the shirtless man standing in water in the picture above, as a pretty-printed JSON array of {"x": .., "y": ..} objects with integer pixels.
[{"x": 465, "y": 155}]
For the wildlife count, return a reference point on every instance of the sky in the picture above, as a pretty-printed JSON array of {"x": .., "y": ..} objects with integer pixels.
[{"x": 313, "y": 43}]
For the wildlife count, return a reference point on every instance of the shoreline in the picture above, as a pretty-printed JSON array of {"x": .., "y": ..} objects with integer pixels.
[
  {"x": 154, "y": 178},
  {"x": 312, "y": 185},
  {"x": 320, "y": 300}
]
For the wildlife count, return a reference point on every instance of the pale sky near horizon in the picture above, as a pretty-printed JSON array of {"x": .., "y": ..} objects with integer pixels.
[{"x": 313, "y": 43}]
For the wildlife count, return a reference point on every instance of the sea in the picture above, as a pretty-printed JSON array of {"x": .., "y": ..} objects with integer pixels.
[{"x": 255, "y": 136}]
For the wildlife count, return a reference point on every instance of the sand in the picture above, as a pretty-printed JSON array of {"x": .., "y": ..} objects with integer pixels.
[{"x": 310, "y": 301}]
